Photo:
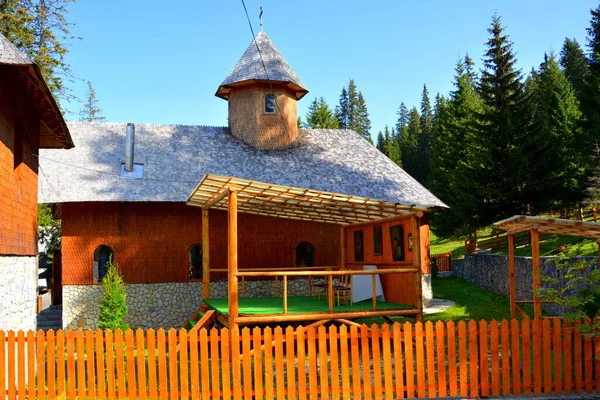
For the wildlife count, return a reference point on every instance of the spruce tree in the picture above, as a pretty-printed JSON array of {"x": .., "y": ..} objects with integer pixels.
[
  {"x": 91, "y": 111},
  {"x": 560, "y": 148},
  {"x": 425, "y": 137},
  {"x": 352, "y": 113},
  {"x": 574, "y": 65},
  {"x": 113, "y": 306},
  {"x": 320, "y": 115},
  {"x": 402, "y": 121},
  {"x": 497, "y": 157},
  {"x": 590, "y": 102},
  {"x": 392, "y": 146},
  {"x": 41, "y": 30},
  {"x": 381, "y": 145},
  {"x": 409, "y": 145},
  {"x": 16, "y": 17},
  {"x": 342, "y": 110},
  {"x": 454, "y": 126}
]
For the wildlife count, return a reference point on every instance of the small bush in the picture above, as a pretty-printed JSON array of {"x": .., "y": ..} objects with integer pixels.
[{"x": 113, "y": 306}]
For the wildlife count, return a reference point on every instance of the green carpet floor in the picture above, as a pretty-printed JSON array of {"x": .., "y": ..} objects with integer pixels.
[{"x": 296, "y": 305}]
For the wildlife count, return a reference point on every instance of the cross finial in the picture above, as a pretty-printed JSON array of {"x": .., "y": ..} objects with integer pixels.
[{"x": 260, "y": 17}]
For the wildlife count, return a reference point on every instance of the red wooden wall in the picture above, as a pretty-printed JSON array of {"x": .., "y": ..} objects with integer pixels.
[
  {"x": 397, "y": 288},
  {"x": 151, "y": 240},
  {"x": 19, "y": 142}
]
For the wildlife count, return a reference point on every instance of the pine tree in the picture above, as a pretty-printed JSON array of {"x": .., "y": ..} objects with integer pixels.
[
  {"x": 575, "y": 66},
  {"x": 91, "y": 111},
  {"x": 320, "y": 115},
  {"x": 498, "y": 159}
]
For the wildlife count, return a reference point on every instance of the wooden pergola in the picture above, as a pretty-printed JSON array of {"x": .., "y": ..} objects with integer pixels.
[
  {"x": 247, "y": 196},
  {"x": 537, "y": 225}
]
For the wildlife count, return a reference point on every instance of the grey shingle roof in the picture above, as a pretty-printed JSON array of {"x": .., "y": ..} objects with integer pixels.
[
  {"x": 176, "y": 157},
  {"x": 250, "y": 66},
  {"x": 9, "y": 54}
]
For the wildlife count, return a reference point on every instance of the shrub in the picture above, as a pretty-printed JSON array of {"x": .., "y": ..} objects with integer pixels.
[{"x": 113, "y": 306}]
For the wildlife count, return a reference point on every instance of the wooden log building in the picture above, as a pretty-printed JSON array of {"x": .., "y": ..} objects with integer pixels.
[{"x": 129, "y": 203}]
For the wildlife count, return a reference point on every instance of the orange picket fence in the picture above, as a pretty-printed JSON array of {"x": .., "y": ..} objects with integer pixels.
[
  {"x": 399, "y": 361},
  {"x": 443, "y": 262}
]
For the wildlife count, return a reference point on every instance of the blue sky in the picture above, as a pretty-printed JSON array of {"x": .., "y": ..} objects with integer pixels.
[{"x": 155, "y": 63}]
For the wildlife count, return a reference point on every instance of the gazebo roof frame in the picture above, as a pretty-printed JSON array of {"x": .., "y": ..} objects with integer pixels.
[
  {"x": 554, "y": 226},
  {"x": 535, "y": 225},
  {"x": 290, "y": 202}
]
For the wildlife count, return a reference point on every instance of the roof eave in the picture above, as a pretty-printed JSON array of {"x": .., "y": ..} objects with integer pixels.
[{"x": 224, "y": 89}]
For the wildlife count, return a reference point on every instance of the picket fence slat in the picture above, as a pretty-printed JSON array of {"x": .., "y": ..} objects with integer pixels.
[
  {"x": 543, "y": 357},
  {"x": 526, "y": 351},
  {"x": 408, "y": 351}
]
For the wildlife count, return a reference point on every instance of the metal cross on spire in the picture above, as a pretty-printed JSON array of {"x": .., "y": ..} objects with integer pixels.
[{"x": 260, "y": 17}]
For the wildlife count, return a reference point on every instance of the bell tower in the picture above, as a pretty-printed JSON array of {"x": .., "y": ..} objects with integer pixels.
[{"x": 262, "y": 91}]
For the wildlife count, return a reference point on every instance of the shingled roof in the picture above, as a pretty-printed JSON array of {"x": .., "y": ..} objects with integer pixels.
[
  {"x": 176, "y": 157},
  {"x": 53, "y": 132},
  {"x": 250, "y": 68}
]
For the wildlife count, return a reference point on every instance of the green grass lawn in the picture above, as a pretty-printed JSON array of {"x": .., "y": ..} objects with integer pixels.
[{"x": 471, "y": 301}]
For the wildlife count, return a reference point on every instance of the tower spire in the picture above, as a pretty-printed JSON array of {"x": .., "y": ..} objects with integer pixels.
[{"x": 260, "y": 17}]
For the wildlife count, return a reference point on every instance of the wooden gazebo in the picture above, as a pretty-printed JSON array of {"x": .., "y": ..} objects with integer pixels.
[
  {"x": 537, "y": 225},
  {"x": 241, "y": 195}
]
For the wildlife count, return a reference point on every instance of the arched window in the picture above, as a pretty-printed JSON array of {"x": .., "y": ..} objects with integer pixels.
[
  {"x": 102, "y": 256},
  {"x": 305, "y": 255},
  {"x": 270, "y": 106},
  {"x": 195, "y": 261}
]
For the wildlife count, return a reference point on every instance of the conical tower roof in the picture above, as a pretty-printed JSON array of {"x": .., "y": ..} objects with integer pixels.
[{"x": 266, "y": 65}]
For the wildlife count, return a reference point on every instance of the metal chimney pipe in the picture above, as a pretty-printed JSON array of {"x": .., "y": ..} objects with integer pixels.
[{"x": 129, "y": 146}]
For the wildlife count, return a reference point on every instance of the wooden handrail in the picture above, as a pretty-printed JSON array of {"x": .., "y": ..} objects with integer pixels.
[
  {"x": 319, "y": 268},
  {"x": 265, "y": 273}
]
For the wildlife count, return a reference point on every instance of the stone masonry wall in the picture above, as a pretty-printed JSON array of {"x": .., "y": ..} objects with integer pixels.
[
  {"x": 490, "y": 271},
  {"x": 18, "y": 292},
  {"x": 159, "y": 305}
]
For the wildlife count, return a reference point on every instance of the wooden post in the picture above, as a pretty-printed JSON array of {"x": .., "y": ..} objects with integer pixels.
[
  {"x": 205, "y": 255},
  {"x": 330, "y": 293},
  {"x": 417, "y": 264},
  {"x": 232, "y": 259},
  {"x": 285, "y": 305},
  {"x": 343, "y": 247},
  {"x": 374, "y": 289},
  {"x": 511, "y": 276},
  {"x": 537, "y": 282}
]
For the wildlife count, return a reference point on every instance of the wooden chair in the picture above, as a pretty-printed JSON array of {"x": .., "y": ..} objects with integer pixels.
[
  {"x": 342, "y": 290},
  {"x": 317, "y": 288}
]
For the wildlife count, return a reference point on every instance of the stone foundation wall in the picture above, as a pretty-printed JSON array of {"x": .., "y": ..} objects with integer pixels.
[
  {"x": 18, "y": 292},
  {"x": 159, "y": 305},
  {"x": 490, "y": 271}
]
